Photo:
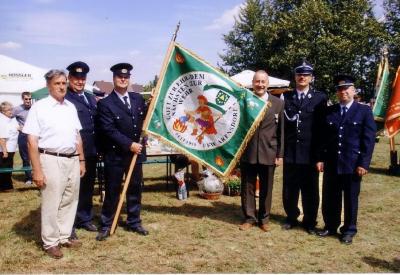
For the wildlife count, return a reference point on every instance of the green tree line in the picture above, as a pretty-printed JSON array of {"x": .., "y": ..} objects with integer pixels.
[{"x": 336, "y": 36}]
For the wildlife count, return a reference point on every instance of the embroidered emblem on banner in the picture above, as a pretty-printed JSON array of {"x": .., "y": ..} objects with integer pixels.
[{"x": 196, "y": 113}]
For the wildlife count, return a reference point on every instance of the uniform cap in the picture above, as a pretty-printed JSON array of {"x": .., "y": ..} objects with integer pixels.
[
  {"x": 122, "y": 69},
  {"x": 304, "y": 67},
  {"x": 343, "y": 80},
  {"x": 78, "y": 69}
]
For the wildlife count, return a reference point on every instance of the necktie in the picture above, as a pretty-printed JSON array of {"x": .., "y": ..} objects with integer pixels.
[
  {"x": 344, "y": 110},
  {"x": 301, "y": 98},
  {"x": 126, "y": 102}
]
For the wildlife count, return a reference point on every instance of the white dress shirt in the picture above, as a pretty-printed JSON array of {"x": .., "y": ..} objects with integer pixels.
[
  {"x": 122, "y": 97},
  {"x": 265, "y": 96},
  {"x": 56, "y": 124},
  {"x": 348, "y": 105},
  {"x": 305, "y": 92}
]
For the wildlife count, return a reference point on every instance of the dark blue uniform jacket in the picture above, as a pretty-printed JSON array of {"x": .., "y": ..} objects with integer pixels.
[
  {"x": 302, "y": 126},
  {"x": 119, "y": 126},
  {"x": 349, "y": 143},
  {"x": 87, "y": 116}
]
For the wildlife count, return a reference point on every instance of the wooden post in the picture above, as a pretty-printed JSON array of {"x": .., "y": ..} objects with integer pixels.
[
  {"x": 121, "y": 198},
  {"x": 145, "y": 123},
  {"x": 394, "y": 166}
]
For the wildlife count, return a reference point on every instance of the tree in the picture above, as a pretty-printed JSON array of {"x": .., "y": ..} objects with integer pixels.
[
  {"x": 151, "y": 85},
  {"x": 392, "y": 26},
  {"x": 339, "y": 36}
]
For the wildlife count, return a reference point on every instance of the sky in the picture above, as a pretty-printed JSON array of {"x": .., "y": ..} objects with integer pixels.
[{"x": 54, "y": 33}]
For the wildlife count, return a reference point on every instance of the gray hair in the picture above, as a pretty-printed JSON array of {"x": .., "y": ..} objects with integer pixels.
[
  {"x": 54, "y": 73},
  {"x": 4, "y": 105},
  {"x": 261, "y": 72}
]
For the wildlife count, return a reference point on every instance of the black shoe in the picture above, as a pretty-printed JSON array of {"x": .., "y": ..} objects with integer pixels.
[
  {"x": 325, "y": 233},
  {"x": 311, "y": 230},
  {"x": 139, "y": 229},
  {"x": 288, "y": 225},
  {"x": 89, "y": 227},
  {"x": 346, "y": 239},
  {"x": 73, "y": 235},
  {"x": 103, "y": 234}
]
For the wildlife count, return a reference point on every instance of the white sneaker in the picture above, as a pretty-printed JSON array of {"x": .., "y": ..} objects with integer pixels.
[{"x": 28, "y": 182}]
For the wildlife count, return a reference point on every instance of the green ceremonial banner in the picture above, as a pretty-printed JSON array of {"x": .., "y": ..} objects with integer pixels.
[
  {"x": 202, "y": 112},
  {"x": 382, "y": 92}
]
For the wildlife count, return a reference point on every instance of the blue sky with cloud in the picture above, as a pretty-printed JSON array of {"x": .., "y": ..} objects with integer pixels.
[{"x": 55, "y": 33}]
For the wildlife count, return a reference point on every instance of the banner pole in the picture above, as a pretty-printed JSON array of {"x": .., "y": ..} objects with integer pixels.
[
  {"x": 392, "y": 145},
  {"x": 121, "y": 198},
  {"x": 393, "y": 157},
  {"x": 176, "y": 32},
  {"x": 146, "y": 121}
]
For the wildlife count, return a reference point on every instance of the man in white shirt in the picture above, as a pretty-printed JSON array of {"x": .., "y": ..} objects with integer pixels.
[{"x": 55, "y": 150}]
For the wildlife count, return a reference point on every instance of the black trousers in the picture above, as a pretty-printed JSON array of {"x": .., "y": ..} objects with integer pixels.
[
  {"x": 249, "y": 173},
  {"x": 5, "y": 178},
  {"x": 84, "y": 213},
  {"x": 114, "y": 168},
  {"x": 301, "y": 178},
  {"x": 23, "y": 151},
  {"x": 333, "y": 187}
]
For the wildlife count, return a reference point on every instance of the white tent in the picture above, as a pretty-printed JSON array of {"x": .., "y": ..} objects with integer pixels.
[
  {"x": 246, "y": 77},
  {"x": 17, "y": 76}
]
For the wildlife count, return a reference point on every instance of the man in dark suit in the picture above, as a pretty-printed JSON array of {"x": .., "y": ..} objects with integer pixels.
[
  {"x": 85, "y": 104},
  {"x": 346, "y": 152},
  {"x": 263, "y": 153},
  {"x": 304, "y": 108},
  {"x": 121, "y": 116}
]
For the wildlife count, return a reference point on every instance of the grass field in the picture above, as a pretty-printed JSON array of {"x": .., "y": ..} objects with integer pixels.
[{"x": 201, "y": 236}]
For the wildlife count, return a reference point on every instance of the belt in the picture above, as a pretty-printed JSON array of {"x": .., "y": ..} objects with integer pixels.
[{"x": 43, "y": 151}]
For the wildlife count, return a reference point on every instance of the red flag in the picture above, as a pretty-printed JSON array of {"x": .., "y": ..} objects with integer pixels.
[{"x": 392, "y": 121}]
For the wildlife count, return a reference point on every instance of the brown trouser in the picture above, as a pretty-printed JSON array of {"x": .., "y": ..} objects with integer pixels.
[{"x": 249, "y": 173}]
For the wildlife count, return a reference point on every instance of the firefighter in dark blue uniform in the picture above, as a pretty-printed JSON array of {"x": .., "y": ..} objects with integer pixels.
[
  {"x": 346, "y": 152},
  {"x": 121, "y": 116},
  {"x": 304, "y": 108},
  {"x": 85, "y": 104}
]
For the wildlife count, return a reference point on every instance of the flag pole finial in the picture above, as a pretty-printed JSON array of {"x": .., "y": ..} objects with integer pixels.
[
  {"x": 176, "y": 31},
  {"x": 385, "y": 51}
]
